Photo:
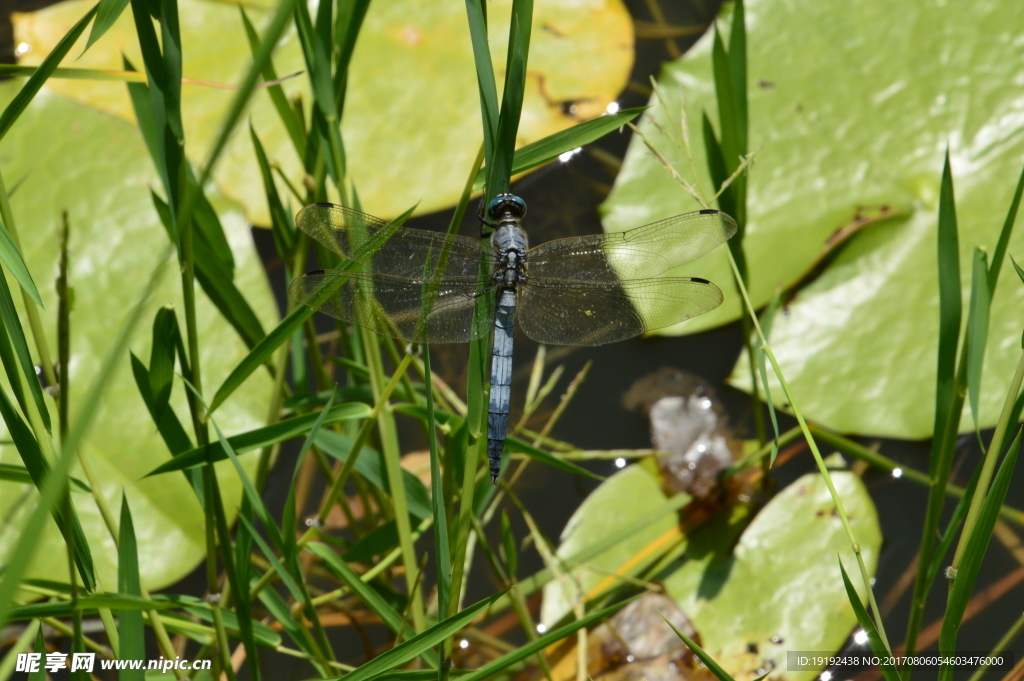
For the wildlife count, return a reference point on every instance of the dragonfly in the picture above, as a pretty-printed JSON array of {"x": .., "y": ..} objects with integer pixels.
[{"x": 419, "y": 286}]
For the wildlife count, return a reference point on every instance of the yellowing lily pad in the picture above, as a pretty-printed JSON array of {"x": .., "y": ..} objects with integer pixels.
[
  {"x": 412, "y": 116},
  {"x": 64, "y": 155},
  {"x": 769, "y": 586},
  {"x": 853, "y": 108}
]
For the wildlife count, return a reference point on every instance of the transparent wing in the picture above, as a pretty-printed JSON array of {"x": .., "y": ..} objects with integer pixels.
[
  {"x": 635, "y": 254},
  {"x": 565, "y": 312},
  {"x": 382, "y": 246},
  {"x": 435, "y": 311}
]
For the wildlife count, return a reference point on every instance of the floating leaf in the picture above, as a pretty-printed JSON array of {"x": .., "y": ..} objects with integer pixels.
[
  {"x": 834, "y": 147},
  {"x": 67, "y": 155},
  {"x": 726, "y": 566},
  {"x": 410, "y": 98}
]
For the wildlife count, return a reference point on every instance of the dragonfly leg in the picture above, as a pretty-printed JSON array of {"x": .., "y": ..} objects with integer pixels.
[{"x": 483, "y": 219}]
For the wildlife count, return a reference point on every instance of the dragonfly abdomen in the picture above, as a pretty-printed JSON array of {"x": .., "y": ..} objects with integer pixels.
[{"x": 501, "y": 379}]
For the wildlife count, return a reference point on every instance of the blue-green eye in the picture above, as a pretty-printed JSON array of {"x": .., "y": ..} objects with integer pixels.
[{"x": 506, "y": 204}]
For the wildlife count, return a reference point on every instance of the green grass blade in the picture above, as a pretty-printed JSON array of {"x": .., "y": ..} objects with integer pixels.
[
  {"x": 294, "y": 126},
  {"x": 476, "y": 11},
  {"x": 508, "y": 547},
  {"x": 214, "y": 275},
  {"x": 949, "y": 299},
  {"x": 717, "y": 169},
  {"x": 260, "y": 353},
  {"x": 130, "y": 627},
  {"x": 396, "y": 475},
  {"x": 279, "y": 609},
  {"x": 877, "y": 646},
  {"x": 766, "y": 328},
  {"x": 20, "y": 475},
  {"x": 725, "y": 94},
  {"x": 261, "y": 56},
  {"x": 11, "y": 256},
  {"x": 167, "y": 423},
  {"x": 977, "y": 545},
  {"x": 19, "y": 343},
  {"x": 949, "y": 395},
  {"x": 708, "y": 661},
  {"x": 108, "y": 12},
  {"x": 366, "y": 593},
  {"x": 18, "y": 646},
  {"x": 370, "y": 464},
  {"x": 40, "y": 673},
  {"x": 252, "y": 495},
  {"x": 959, "y": 514},
  {"x": 281, "y": 224},
  {"x": 551, "y": 147},
  {"x": 738, "y": 70},
  {"x": 170, "y": 42},
  {"x": 977, "y": 329},
  {"x": 38, "y": 469},
  {"x": 499, "y": 165},
  {"x": 22, "y": 552},
  {"x": 514, "y": 444},
  {"x": 420, "y": 643},
  {"x": 318, "y": 63},
  {"x": 438, "y": 501},
  {"x": 523, "y": 652},
  {"x": 115, "y": 601},
  {"x": 295, "y": 581},
  {"x": 36, "y": 80},
  {"x": 261, "y": 437},
  {"x": 346, "y": 30},
  {"x": 289, "y": 512},
  {"x": 1004, "y": 236},
  {"x": 542, "y": 577}
]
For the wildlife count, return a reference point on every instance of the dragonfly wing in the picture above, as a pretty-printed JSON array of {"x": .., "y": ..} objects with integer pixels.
[
  {"x": 635, "y": 254},
  {"x": 565, "y": 312},
  {"x": 382, "y": 246},
  {"x": 438, "y": 310}
]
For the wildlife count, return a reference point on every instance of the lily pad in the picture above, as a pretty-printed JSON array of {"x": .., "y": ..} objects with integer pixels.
[
  {"x": 772, "y": 585},
  {"x": 412, "y": 114},
  {"x": 853, "y": 108},
  {"x": 64, "y": 155}
]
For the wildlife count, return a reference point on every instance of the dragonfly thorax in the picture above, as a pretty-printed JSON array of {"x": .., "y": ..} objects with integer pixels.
[{"x": 510, "y": 241}]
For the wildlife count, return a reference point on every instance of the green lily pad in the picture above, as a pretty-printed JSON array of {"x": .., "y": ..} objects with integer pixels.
[
  {"x": 64, "y": 155},
  {"x": 853, "y": 108},
  {"x": 781, "y": 588},
  {"x": 623, "y": 497},
  {"x": 774, "y": 582},
  {"x": 412, "y": 114}
]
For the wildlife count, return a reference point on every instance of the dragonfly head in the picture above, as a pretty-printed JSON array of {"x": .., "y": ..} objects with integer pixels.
[{"x": 506, "y": 205}]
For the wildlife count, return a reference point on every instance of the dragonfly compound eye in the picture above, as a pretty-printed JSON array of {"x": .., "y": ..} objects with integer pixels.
[{"x": 506, "y": 205}]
